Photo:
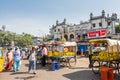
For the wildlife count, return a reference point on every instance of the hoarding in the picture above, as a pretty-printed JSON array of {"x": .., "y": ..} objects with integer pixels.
[{"x": 97, "y": 33}]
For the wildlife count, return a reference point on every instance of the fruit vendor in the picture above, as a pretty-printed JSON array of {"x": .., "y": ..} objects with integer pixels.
[{"x": 90, "y": 54}]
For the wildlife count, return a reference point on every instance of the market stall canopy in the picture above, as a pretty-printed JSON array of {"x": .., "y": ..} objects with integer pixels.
[
  {"x": 69, "y": 44},
  {"x": 110, "y": 42},
  {"x": 55, "y": 43}
]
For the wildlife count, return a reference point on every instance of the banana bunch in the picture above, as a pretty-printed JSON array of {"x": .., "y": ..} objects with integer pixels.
[
  {"x": 57, "y": 53},
  {"x": 50, "y": 53},
  {"x": 95, "y": 57},
  {"x": 70, "y": 53},
  {"x": 106, "y": 56}
]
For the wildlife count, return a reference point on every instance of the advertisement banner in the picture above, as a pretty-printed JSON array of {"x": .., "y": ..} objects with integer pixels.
[{"x": 97, "y": 33}]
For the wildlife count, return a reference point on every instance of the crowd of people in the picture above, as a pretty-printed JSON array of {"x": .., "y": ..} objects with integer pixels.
[{"x": 13, "y": 58}]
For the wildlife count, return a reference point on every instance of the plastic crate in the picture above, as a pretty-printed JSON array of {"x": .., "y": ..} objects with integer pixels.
[{"x": 55, "y": 65}]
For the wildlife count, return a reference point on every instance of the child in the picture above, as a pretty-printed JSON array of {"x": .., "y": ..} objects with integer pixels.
[{"x": 32, "y": 61}]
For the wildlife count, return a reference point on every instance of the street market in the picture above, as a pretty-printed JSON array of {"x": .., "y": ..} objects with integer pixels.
[{"x": 56, "y": 40}]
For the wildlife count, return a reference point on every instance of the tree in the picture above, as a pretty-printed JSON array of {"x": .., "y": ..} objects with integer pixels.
[
  {"x": 117, "y": 28},
  {"x": 24, "y": 39},
  {"x": 6, "y": 37},
  {"x": 51, "y": 33}
]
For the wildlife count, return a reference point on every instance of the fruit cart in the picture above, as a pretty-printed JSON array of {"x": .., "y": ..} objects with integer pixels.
[
  {"x": 107, "y": 55},
  {"x": 1, "y": 59},
  {"x": 65, "y": 53}
]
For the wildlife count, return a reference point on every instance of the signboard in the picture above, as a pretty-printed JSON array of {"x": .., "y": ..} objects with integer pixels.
[{"x": 97, "y": 33}]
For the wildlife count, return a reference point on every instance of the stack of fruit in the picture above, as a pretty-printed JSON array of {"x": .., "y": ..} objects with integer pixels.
[
  {"x": 50, "y": 53},
  {"x": 56, "y": 53},
  {"x": 70, "y": 53},
  {"x": 106, "y": 56},
  {"x": 59, "y": 54}
]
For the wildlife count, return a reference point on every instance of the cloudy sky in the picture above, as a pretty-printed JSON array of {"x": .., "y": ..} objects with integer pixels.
[{"x": 37, "y": 16}]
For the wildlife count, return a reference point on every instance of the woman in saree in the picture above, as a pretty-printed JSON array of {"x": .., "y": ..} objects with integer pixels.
[{"x": 9, "y": 60}]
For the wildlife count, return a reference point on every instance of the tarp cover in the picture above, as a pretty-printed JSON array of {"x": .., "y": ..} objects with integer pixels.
[
  {"x": 69, "y": 44},
  {"x": 110, "y": 42}
]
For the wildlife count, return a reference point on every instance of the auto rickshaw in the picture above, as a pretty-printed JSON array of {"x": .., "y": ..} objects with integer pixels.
[{"x": 1, "y": 59}]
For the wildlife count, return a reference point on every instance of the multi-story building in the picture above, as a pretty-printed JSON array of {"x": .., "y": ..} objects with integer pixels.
[
  {"x": 63, "y": 30},
  {"x": 96, "y": 27}
]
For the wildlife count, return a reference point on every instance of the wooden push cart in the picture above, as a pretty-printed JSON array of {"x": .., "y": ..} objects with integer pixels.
[
  {"x": 109, "y": 57},
  {"x": 65, "y": 53}
]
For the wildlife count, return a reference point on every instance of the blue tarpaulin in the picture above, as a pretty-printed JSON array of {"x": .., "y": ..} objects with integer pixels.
[{"x": 83, "y": 47}]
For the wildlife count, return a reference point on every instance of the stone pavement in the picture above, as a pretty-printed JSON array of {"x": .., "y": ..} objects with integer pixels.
[{"x": 79, "y": 72}]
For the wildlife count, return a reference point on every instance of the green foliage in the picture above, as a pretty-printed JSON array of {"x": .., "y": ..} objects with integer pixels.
[
  {"x": 51, "y": 31},
  {"x": 117, "y": 28},
  {"x": 23, "y": 40},
  {"x": 19, "y": 40}
]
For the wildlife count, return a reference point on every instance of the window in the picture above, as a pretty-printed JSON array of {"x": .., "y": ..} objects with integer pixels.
[
  {"x": 55, "y": 30},
  {"x": 93, "y": 25},
  {"x": 58, "y": 30},
  {"x": 100, "y": 24}
]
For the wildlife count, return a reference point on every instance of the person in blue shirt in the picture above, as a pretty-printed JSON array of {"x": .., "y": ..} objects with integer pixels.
[{"x": 17, "y": 58}]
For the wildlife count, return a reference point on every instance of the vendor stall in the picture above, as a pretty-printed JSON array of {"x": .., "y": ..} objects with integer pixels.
[
  {"x": 107, "y": 54},
  {"x": 64, "y": 52}
]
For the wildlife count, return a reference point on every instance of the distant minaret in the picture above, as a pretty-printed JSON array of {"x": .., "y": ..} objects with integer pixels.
[
  {"x": 103, "y": 13},
  {"x": 114, "y": 19},
  {"x": 56, "y": 22},
  {"x": 91, "y": 15},
  {"x": 64, "y": 21}
]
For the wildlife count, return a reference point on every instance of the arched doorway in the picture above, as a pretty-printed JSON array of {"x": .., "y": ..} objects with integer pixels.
[
  {"x": 71, "y": 36},
  {"x": 84, "y": 36},
  {"x": 66, "y": 37},
  {"x": 79, "y": 36}
]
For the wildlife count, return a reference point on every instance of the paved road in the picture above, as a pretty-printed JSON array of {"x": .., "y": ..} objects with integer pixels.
[{"x": 79, "y": 72}]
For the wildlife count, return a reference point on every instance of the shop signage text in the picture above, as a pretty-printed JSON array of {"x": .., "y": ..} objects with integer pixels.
[{"x": 97, "y": 33}]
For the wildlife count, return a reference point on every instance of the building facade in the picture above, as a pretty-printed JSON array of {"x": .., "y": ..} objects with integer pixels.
[
  {"x": 63, "y": 30},
  {"x": 97, "y": 26}
]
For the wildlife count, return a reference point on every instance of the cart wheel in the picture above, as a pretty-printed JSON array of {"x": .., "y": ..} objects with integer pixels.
[
  {"x": 114, "y": 66},
  {"x": 95, "y": 67},
  {"x": 72, "y": 62},
  {"x": 118, "y": 67},
  {"x": 63, "y": 62}
]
